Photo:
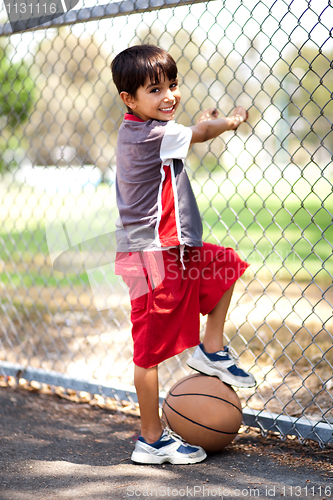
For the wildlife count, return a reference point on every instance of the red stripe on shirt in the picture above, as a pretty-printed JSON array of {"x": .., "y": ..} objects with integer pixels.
[
  {"x": 167, "y": 229},
  {"x": 132, "y": 118}
]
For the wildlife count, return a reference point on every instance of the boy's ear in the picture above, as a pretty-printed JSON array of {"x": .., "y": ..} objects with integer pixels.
[{"x": 128, "y": 100}]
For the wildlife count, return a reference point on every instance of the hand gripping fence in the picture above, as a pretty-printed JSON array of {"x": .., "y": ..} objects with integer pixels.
[{"x": 265, "y": 190}]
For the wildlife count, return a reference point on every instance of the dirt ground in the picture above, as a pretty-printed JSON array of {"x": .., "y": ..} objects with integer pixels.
[
  {"x": 283, "y": 337},
  {"x": 55, "y": 448}
]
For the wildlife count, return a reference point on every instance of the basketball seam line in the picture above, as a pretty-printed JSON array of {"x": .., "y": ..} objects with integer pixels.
[
  {"x": 195, "y": 375},
  {"x": 197, "y": 423},
  {"x": 206, "y": 396},
  {"x": 167, "y": 421}
]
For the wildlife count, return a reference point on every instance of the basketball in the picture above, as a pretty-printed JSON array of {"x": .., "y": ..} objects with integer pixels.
[{"x": 204, "y": 411}]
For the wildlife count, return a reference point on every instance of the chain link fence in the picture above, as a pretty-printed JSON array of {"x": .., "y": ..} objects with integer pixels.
[{"x": 265, "y": 190}]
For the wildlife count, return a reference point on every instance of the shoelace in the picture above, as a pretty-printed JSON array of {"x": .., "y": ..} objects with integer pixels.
[
  {"x": 175, "y": 436},
  {"x": 231, "y": 356}
]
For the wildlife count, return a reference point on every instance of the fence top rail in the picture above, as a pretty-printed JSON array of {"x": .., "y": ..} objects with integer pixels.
[{"x": 112, "y": 9}]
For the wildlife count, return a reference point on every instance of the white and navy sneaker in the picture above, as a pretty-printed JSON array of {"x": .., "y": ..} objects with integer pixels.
[
  {"x": 220, "y": 364},
  {"x": 169, "y": 448}
]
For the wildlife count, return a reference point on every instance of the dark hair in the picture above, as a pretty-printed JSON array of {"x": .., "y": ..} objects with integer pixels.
[{"x": 131, "y": 67}]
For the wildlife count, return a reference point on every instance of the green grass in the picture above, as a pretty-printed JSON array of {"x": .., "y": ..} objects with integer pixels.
[
  {"x": 289, "y": 238},
  {"x": 285, "y": 238},
  {"x": 35, "y": 278}
]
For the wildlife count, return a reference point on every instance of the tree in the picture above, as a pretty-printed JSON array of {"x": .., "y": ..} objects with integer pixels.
[
  {"x": 305, "y": 77},
  {"x": 72, "y": 123},
  {"x": 16, "y": 101}
]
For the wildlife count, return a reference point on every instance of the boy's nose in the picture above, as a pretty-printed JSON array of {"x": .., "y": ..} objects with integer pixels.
[{"x": 168, "y": 96}]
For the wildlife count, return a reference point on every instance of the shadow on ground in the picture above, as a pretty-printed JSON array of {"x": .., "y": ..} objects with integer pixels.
[{"x": 52, "y": 448}]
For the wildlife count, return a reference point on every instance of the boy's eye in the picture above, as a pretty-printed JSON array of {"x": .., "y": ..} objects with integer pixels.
[{"x": 154, "y": 90}]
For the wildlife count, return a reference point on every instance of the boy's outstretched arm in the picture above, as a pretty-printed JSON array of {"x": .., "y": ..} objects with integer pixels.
[{"x": 210, "y": 126}]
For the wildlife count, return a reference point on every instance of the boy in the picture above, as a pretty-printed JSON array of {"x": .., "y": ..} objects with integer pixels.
[{"x": 172, "y": 276}]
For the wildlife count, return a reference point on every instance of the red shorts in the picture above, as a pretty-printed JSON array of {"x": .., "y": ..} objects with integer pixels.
[{"x": 167, "y": 300}]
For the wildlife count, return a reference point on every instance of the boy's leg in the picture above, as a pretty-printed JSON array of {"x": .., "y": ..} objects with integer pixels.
[
  {"x": 211, "y": 357},
  {"x": 155, "y": 446},
  {"x": 146, "y": 384},
  {"x": 213, "y": 339}
]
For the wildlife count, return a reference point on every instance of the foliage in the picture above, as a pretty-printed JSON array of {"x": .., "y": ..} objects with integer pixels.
[
  {"x": 16, "y": 100},
  {"x": 305, "y": 77}
]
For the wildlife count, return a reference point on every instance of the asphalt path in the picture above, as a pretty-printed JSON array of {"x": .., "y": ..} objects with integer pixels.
[{"x": 55, "y": 448}]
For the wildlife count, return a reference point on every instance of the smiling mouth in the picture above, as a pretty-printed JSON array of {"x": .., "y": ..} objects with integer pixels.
[{"x": 169, "y": 109}]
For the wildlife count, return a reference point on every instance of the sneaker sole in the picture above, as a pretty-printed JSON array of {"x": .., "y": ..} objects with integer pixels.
[
  {"x": 201, "y": 367},
  {"x": 146, "y": 458}
]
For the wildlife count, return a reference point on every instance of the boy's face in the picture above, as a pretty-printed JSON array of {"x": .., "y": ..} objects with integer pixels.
[{"x": 154, "y": 101}]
